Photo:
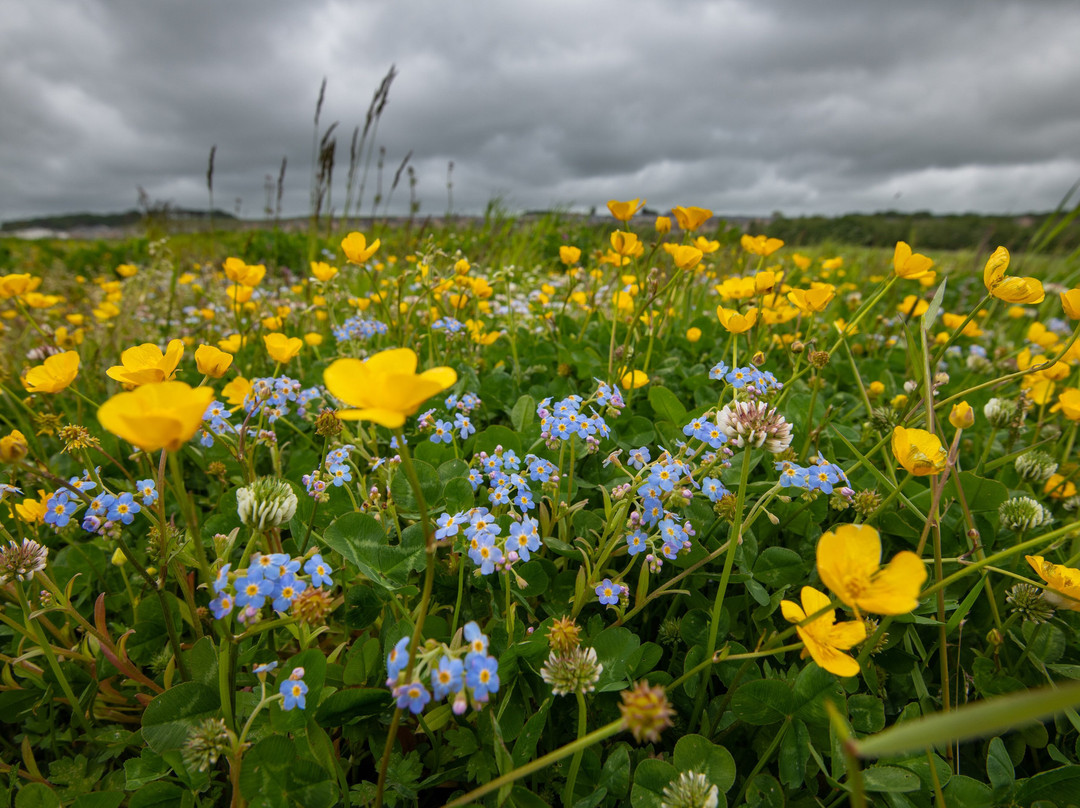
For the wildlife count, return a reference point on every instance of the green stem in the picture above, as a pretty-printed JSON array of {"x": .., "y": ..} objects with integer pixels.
[
  {"x": 729, "y": 562},
  {"x": 575, "y": 762},
  {"x": 50, "y": 657},
  {"x": 515, "y": 774},
  {"x": 425, "y": 599},
  {"x": 192, "y": 516},
  {"x": 765, "y": 757}
]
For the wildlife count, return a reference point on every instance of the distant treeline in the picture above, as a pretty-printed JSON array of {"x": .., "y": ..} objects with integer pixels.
[
  {"x": 924, "y": 230},
  {"x": 73, "y": 221}
]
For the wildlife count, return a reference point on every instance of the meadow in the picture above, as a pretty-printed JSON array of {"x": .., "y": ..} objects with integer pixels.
[{"x": 538, "y": 513}]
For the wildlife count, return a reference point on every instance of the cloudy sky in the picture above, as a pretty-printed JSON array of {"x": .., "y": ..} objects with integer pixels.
[{"x": 743, "y": 106}]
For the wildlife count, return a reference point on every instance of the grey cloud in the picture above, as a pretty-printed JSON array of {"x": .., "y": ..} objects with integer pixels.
[{"x": 741, "y": 106}]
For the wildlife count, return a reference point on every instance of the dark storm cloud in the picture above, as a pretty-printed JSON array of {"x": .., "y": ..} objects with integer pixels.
[{"x": 745, "y": 107}]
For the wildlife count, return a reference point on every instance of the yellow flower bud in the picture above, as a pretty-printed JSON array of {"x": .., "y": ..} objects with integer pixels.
[{"x": 962, "y": 415}]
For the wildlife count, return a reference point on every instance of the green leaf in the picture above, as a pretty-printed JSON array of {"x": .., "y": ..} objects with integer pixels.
[
  {"x": 867, "y": 713},
  {"x": 778, "y": 566},
  {"x": 274, "y": 770},
  {"x": 171, "y": 714},
  {"x": 525, "y": 745},
  {"x": 651, "y": 777},
  {"x": 793, "y": 755},
  {"x": 666, "y": 405},
  {"x": 644, "y": 659},
  {"x": 813, "y": 686},
  {"x": 638, "y": 431},
  {"x": 494, "y": 436},
  {"x": 966, "y": 792},
  {"x": 615, "y": 776},
  {"x": 762, "y": 702},
  {"x": 144, "y": 769},
  {"x": 1051, "y": 785},
  {"x": 36, "y": 795},
  {"x": 765, "y": 791},
  {"x": 1045, "y": 641},
  {"x": 614, "y": 647},
  {"x": 458, "y": 495},
  {"x": 892, "y": 779},
  {"x": 982, "y": 495},
  {"x": 999, "y": 766},
  {"x": 430, "y": 487},
  {"x": 362, "y": 542},
  {"x": 970, "y": 721},
  {"x": 99, "y": 799},
  {"x": 160, "y": 795},
  {"x": 345, "y": 706},
  {"x": 524, "y": 413},
  {"x": 934, "y": 309},
  {"x": 362, "y": 607},
  {"x": 697, "y": 753}
]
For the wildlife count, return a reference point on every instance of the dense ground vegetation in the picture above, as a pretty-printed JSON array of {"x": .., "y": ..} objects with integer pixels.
[{"x": 538, "y": 513}]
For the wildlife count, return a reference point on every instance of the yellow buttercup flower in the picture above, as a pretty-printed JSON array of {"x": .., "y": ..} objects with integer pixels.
[
  {"x": 626, "y": 243},
  {"x": 162, "y": 415},
  {"x": 849, "y": 563},
  {"x": 1068, "y": 404},
  {"x": 54, "y": 374},
  {"x": 705, "y": 245},
  {"x": 907, "y": 264},
  {"x": 962, "y": 415},
  {"x": 953, "y": 321},
  {"x": 239, "y": 293},
  {"x": 693, "y": 334},
  {"x": 244, "y": 274},
  {"x": 1070, "y": 302},
  {"x": 1010, "y": 289},
  {"x": 691, "y": 218},
  {"x": 127, "y": 270},
  {"x": 824, "y": 638},
  {"x": 313, "y": 339},
  {"x": 1063, "y": 583},
  {"x": 663, "y": 224},
  {"x": 875, "y": 389},
  {"x": 106, "y": 311},
  {"x": 33, "y": 510},
  {"x": 212, "y": 362},
  {"x": 385, "y": 388},
  {"x": 686, "y": 257},
  {"x": 13, "y": 447},
  {"x": 918, "y": 451},
  {"x": 634, "y": 379},
  {"x": 146, "y": 364},
  {"x": 323, "y": 271},
  {"x": 760, "y": 245},
  {"x": 356, "y": 248},
  {"x": 735, "y": 322},
  {"x": 800, "y": 260},
  {"x": 232, "y": 343},
  {"x": 236, "y": 391},
  {"x": 281, "y": 348},
  {"x": 813, "y": 299},
  {"x": 569, "y": 255},
  {"x": 912, "y": 306},
  {"x": 1058, "y": 487},
  {"x": 18, "y": 284},
  {"x": 624, "y": 211}
]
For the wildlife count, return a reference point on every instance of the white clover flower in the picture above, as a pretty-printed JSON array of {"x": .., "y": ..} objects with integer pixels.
[
  {"x": 267, "y": 502},
  {"x": 753, "y": 425}
]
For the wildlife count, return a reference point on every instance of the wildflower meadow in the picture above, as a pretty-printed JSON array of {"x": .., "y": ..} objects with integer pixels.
[{"x": 640, "y": 510}]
